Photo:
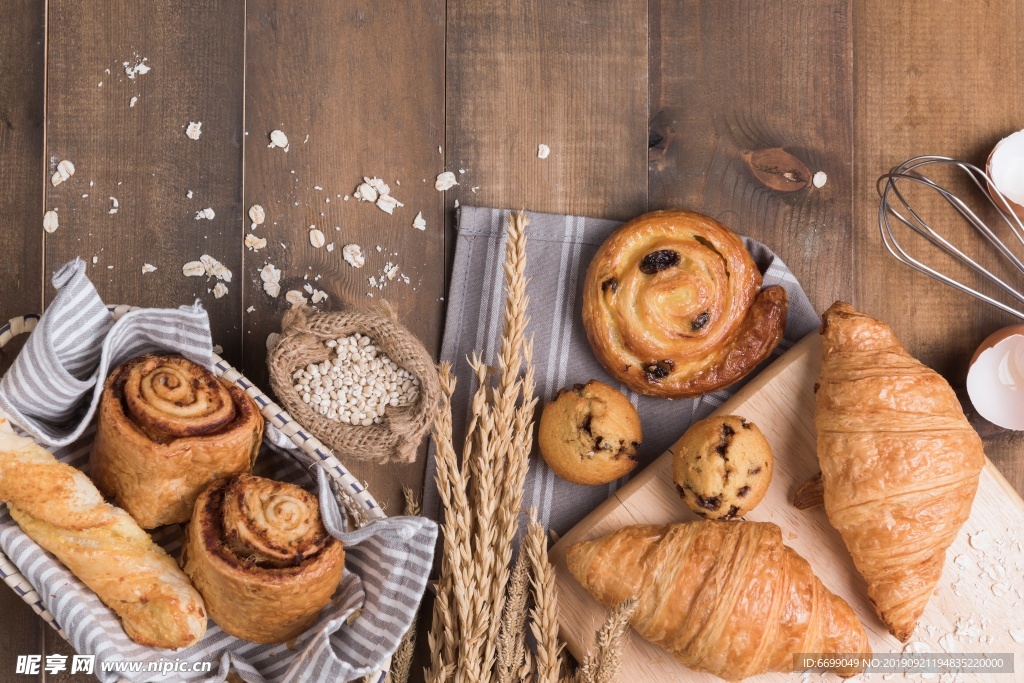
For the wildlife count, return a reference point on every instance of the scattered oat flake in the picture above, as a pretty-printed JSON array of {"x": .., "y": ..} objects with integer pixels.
[
  {"x": 250, "y": 309},
  {"x": 148, "y": 268},
  {"x": 278, "y": 139},
  {"x": 257, "y": 215},
  {"x": 981, "y": 540},
  {"x": 218, "y": 349},
  {"x": 318, "y": 296},
  {"x": 192, "y": 269},
  {"x": 114, "y": 205},
  {"x": 330, "y": 246},
  {"x": 962, "y": 561},
  {"x": 140, "y": 68},
  {"x": 543, "y": 151},
  {"x": 948, "y": 642},
  {"x": 1000, "y": 590},
  {"x": 388, "y": 204},
  {"x": 1017, "y": 634},
  {"x": 445, "y": 181},
  {"x": 353, "y": 254},
  {"x": 419, "y": 222},
  {"x": 189, "y": 194},
  {"x": 206, "y": 213},
  {"x": 365, "y": 193},
  {"x": 316, "y": 237},
  {"x": 295, "y": 297},
  {"x": 819, "y": 179},
  {"x": 219, "y": 290},
  {"x": 255, "y": 243},
  {"x": 456, "y": 203},
  {"x": 133, "y": 100},
  {"x": 272, "y": 339},
  {"x": 194, "y": 130},
  {"x": 95, "y": 260},
  {"x": 392, "y": 272},
  {"x": 65, "y": 169},
  {"x": 50, "y": 222}
]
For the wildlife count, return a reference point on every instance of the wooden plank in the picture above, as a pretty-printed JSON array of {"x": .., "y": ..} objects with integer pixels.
[
  {"x": 780, "y": 400},
  {"x": 358, "y": 88},
  {"x": 732, "y": 79},
  {"x": 956, "y": 101},
  {"x": 571, "y": 75},
  {"x": 22, "y": 92},
  {"x": 140, "y": 155}
]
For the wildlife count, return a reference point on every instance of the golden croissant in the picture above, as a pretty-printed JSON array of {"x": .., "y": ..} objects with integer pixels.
[
  {"x": 59, "y": 508},
  {"x": 727, "y": 598},
  {"x": 899, "y": 462}
]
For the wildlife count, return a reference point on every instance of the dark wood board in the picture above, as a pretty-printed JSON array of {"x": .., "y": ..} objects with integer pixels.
[
  {"x": 22, "y": 83},
  {"x": 571, "y": 75},
  {"x": 358, "y": 88},
  {"x": 731, "y": 79},
  {"x": 950, "y": 86},
  {"x": 141, "y": 155}
]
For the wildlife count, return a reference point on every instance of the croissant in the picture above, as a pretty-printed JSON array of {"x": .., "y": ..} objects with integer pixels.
[
  {"x": 899, "y": 462},
  {"x": 673, "y": 306},
  {"x": 166, "y": 428},
  {"x": 58, "y": 507},
  {"x": 258, "y": 552},
  {"x": 727, "y": 598}
]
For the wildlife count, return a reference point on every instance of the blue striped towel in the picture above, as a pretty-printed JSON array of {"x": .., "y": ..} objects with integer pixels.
[{"x": 51, "y": 393}]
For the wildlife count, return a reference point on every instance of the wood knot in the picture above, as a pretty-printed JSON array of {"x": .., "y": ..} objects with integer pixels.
[{"x": 777, "y": 169}]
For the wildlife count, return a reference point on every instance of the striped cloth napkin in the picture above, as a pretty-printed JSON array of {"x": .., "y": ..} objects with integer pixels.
[
  {"x": 559, "y": 249},
  {"x": 51, "y": 393}
]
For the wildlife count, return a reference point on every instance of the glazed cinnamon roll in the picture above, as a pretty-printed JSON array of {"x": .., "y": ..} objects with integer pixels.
[
  {"x": 673, "y": 306},
  {"x": 258, "y": 553},
  {"x": 167, "y": 428}
]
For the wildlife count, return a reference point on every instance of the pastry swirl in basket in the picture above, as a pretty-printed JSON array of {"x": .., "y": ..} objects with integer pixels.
[
  {"x": 673, "y": 306},
  {"x": 258, "y": 552},
  {"x": 167, "y": 427}
]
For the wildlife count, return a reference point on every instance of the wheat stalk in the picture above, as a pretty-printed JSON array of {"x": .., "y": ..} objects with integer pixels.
[
  {"x": 511, "y": 636},
  {"x": 544, "y": 615},
  {"x": 602, "y": 663}
]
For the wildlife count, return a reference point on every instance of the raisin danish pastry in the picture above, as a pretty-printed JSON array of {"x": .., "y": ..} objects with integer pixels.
[{"x": 673, "y": 306}]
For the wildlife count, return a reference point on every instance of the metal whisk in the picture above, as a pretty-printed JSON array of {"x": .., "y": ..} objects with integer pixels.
[{"x": 894, "y": 204}]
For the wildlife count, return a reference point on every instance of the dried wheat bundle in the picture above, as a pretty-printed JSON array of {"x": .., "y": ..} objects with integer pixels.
[{"x": 482, "y": 604}]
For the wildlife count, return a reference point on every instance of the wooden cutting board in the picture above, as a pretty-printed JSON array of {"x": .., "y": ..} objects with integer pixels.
[{"x": 983, "y": 579}]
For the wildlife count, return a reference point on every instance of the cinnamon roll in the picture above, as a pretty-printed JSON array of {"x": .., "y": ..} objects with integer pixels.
[
  {"x": 673, "y": 306},
  {"x": 167, "y": 428},
  {"x": 258, "y": 553}
]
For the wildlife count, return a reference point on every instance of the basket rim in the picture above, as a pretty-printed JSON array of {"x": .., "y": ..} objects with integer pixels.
[{"x": 274, "y": 414}]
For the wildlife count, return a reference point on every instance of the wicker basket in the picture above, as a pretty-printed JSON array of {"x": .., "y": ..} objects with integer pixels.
[{"x": 352, "y": 495}]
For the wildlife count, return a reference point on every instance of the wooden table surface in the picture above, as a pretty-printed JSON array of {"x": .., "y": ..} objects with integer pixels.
[{"x": 645, "y": 104}]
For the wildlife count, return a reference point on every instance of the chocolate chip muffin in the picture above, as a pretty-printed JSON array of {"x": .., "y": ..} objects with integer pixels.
[
  {"x": 722, "y": 467},
  {"x": 589, "y": 434}
]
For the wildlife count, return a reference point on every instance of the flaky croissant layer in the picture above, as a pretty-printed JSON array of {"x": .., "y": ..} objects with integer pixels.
[
  {"x": 899, "y": 462},
  {"x": 727, "y": 598}
]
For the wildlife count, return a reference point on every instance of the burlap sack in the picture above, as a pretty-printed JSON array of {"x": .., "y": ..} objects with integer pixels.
[{"x": 303, "y": 333}]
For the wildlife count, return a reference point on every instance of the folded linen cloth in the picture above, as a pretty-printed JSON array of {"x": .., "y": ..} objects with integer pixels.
[
  {"x": 51, "y": 392},
  {"x": 559, "y": 249}
]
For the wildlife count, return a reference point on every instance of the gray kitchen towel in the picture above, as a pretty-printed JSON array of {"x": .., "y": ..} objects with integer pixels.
[
  {"x": 559, "y": 249},
  {"x": 65, "y": 360}
]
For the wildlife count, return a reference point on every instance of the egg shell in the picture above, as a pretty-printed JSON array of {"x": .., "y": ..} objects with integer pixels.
[
  {"x": 1016, "y": 208},
  {"x": 995, "y": 380}
]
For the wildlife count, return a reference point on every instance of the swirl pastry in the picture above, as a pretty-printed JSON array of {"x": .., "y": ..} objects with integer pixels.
[
  {"x": 258, "y": 552},
  {"x": 673, "y": 306},
  {"x": 59, "y": 508},
  {"x": 167, "y": 428}
]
